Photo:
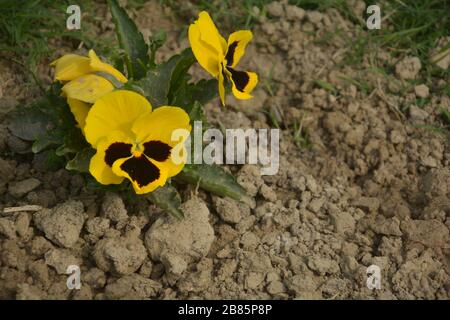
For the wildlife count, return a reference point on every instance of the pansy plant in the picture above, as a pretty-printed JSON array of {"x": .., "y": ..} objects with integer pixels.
[
  {"x": 85, "y": 80},
  {"x": 220, "y": 57},
  {"x": 120, "y": 127},
  {"x": 133, "y": 142}
]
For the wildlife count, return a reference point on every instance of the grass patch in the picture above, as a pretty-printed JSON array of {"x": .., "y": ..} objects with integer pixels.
[
  {"x": 300, "y": 137},
  {"x": 445, "y": 116},
  {"x": 433, "y": 129},
  {"x": 325, "y": 85},
  {"x": 410, "y": 27},
  {"x": 235, "y": 14},
  {"x": 361, "y": 84},
  {"x": 26, "y": 27},
  {"x": 415, "y": 26},
  {"x": 267, "y": 82},
  {"x": 322, "y": 5}
]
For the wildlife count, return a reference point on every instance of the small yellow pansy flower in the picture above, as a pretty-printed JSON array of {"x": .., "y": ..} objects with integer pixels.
[
  {"x": 84, "y": 83},
  {"x": 220, "y": 57},
  {"x": 134, "y": 142}
]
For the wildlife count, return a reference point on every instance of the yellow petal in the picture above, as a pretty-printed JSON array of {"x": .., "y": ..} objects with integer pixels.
[
  {"x": 107, "y": 153},
  {"x": 174, "y": 167},
  {"x": 97, "y": 65},
  {"x": 242, "y": 83},
  {"x": 169, "y": 126},
  {"x": 117, "y": 110},
  {"x": 159, "y": 124},
  {"x": 205, "y": 54},
  {"x": 210, "y": 34},
  {"x": 145, "y": 174},
  {"x": 237, "y": 41},
  {"x": 79, "y": 110},
  {"x": 87, "y": 88},
  {"x": 71, "y": 66},
  {"x": 172, "y": 158}
]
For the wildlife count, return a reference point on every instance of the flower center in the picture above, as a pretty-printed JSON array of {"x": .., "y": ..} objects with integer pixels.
[{"x": 137, "y": 153}]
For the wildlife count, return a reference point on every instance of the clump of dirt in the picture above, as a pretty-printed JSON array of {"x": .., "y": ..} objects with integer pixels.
[
  {"x": 372, "y": 188},
  {"x": 177, "y": 243},
  {"x": 121, "y": 255},
  {"x": 62, "y": 224}
]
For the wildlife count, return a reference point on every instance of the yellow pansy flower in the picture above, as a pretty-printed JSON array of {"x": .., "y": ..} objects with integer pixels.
[
  {"x": 220, "y": 57},
  {"x": 134, "y": 142},
  {"x": 84, "y": 83}
]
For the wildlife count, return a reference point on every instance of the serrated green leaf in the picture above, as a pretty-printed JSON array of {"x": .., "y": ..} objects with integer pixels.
[
  {"x": 74, "y": 141},
  {"x": 114, "y": 81},
  {"x": 212, "y": 178},
  {"x": 159, "y": 82},
  {"x": 52, "y": 161},
  {"x": 156, "y": 41},
  {"x": 45, "y": 120},
  {"x": 205, "y": 90},
  {"x": 30, "y": 123},
  {"x": 179, "y": 75},
  {"x": 168, "y": 199},
  {"x": 81, "y": 160},
  {"x": 95, "y": 186},
  {"x": 45, "y": 141},
  {"x": 47, "y": 160},
  {"x": 187, "y": 93},
  {"x": 131, "y": 41},
  {"x": 195, "y": 112}
]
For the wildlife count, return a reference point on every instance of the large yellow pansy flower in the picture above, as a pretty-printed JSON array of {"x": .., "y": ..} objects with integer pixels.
[
  {"x": 220, "y": 57},
  {"x": 134, "y": 142},
  {"x": 85, "y": 81}
]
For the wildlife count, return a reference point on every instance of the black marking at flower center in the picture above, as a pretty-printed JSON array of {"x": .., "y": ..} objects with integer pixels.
[
  {"x": 230, "y": 53},
  {"x": 157, "y": 150},
  {"x": 240, "y": 78},
  {"x": 141, "y": 170},
  {"x": 117, "y": 150}
]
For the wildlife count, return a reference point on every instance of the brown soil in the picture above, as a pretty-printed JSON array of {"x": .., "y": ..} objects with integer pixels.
[{"x": 373, "y": 188}]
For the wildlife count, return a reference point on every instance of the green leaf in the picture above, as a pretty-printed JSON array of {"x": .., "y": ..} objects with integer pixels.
[
  {"x": 195, "y": 112},
  {"x": 114, "y": 81},
  {"x": 167, "y": 84},
  {"x": 212, "y": 178},
  {"x": 30, "y": 123},
  {"x": 95, "y": 186},
  {"x": 187, "y": 93},
  {"x": 159, "y": 82},
  {"x": 81, "y": 160},
  {"x": 156, "y": 41},
  {"x": 205, "y": 90},
  {"x": 45, "y": 141},
  {"x": 131, "y": 41},
  {"x": 74, "y": 141},
  {"x": 168, "y": 199},
  {"x": 44, "y": 121},
  {"x": 52, "y": 161},
  {"x": 183, "y": 62}
]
